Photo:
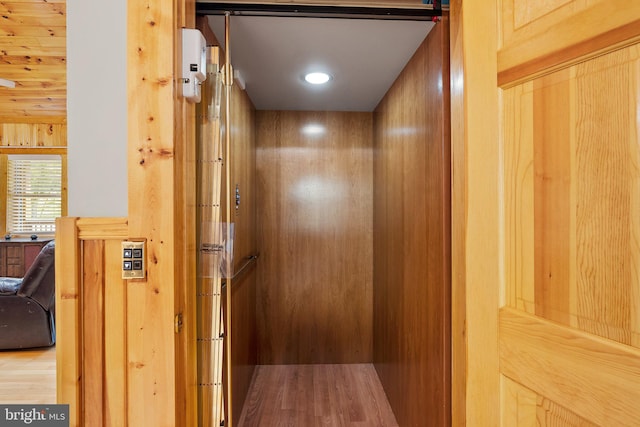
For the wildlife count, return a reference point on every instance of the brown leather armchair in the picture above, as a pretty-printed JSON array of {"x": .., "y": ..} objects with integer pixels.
[{"x": 27, "y": 305}]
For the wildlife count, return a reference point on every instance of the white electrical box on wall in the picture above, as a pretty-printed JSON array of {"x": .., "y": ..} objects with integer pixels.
[{"x": 194, "y": 63}]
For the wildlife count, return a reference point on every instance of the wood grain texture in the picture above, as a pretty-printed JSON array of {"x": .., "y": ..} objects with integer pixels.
[
  {"x": 154, "y": 207},
  {"x": 412, "y": 237},
  {"x": 521, "y": 406},
  {"x": 551, "y": 204},
  {"x": 28, "y": 376},
  {"x": 33, "y": 39},
  {"x": 244, "y": 347},
  {"x": 185, "y": 241},
  {"x": 517, "y": 403},
  {"x": 91, "y": 318},
  {"x": 519, "y": 197},
  {"x": 103, "y": 327},
  {"x": 68, "y": 319},
  {"x": 314, "y": 195},
  {"x": 608, "y": 181},
  {"x": 577, "y": 161},
  {"x": 571, "y": 144},
  {"x": 476, "y": 224},
  {"x": 593, "y": 377},
  {"x": 102, "y": 228},
  {"x": 116, "y": 397},
  {"x": 33, "y": 135},
  {"x": 93, "y": 328},
  {"x": 317, "y": 395},
  {"x": 540, "y": 38}
]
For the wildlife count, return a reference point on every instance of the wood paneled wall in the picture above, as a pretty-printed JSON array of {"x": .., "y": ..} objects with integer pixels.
[
  {"x": 314, "y": 198},
  {"x": 94, "y": 322},
  {"x": 34, "y": 134},
  {"x": 244, "y": 340},
  {"x": 33, "y": 36},
  {"x": 158, "y": 383},
  {"x": 33, "y": 137},
  {"x": 412, "y": 237}
]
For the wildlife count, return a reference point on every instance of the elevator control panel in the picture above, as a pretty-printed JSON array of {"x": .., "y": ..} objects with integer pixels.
[{"x": 133, "y": 256}]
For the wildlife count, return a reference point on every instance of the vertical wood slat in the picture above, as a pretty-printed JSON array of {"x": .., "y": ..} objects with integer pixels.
[
  {"x": 552, "y": 183},
  {"x": 476, "y": 224},
  {"x": 91, "y": 309},
  {"x": 115, "y": 401},
  {"x": 39, "y": 134},
  {"x": 93, "y": 328},
  {"x": 185, "y": 238},
  {"x": 153, "y": 205},
  {"x": 68, "y": 319},
  {"x": 519, "y": 198}
]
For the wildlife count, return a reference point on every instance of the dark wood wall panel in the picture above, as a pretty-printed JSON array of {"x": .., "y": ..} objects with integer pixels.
[
  {"x": 412, "y": 237},
  {"x": 243, "y": 171},
  {"x": 315, "y": 185}
]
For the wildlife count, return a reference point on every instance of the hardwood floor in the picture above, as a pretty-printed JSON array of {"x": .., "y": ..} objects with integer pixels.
[
  {"x": 316, "y": 395},
  {"x": 28, "y": 376}
]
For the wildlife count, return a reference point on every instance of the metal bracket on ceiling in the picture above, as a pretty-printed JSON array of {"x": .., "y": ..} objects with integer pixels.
[{"x": 311, "y": 11}]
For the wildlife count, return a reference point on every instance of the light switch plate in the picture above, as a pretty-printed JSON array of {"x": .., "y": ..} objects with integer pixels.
[{"x": 133, "y": 260}]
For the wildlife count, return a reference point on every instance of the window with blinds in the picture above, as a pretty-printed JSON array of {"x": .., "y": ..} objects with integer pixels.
[{"x": 34, "y": 196}]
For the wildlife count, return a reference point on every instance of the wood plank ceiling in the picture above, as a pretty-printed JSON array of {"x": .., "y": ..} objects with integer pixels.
[{"x": 33, "y": 54}]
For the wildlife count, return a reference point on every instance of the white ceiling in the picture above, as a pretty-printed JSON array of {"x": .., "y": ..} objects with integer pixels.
[{"x": 363, "y": 56}]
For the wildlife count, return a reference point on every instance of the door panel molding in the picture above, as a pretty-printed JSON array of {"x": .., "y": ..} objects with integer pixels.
[
  {"x": 595, "y": 377},
  {"x": 536, "y": 42}
]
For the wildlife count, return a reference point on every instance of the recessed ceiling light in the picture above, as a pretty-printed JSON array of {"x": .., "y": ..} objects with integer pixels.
[{"x": 317, "y": 78}]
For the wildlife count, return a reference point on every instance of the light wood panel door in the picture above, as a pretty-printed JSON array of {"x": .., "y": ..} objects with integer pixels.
[
  {"x": 546, "y": 161},
  {"x": 569, "y": 331}
]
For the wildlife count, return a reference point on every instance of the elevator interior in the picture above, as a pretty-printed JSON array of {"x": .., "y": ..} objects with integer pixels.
[{"x": 345, "y": 198}]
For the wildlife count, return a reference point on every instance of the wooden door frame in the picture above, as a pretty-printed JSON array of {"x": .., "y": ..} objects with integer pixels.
[
  {"x": 475, "y": 223},
  {"x": 472, "y": 278}
]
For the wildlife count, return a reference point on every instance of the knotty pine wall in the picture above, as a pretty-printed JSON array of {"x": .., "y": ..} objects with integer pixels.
[
  {"x": 32, "y": 136},
  {"x": 143, "y": 368},
  {"x": 315, "y": 236},
  {"x": 95, "y": 321},
  {"x": 411, "y": 309}
]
